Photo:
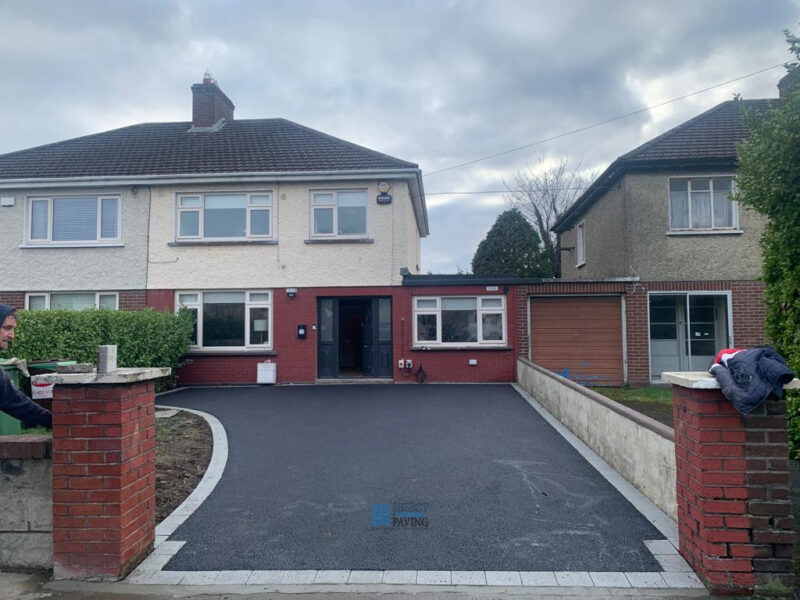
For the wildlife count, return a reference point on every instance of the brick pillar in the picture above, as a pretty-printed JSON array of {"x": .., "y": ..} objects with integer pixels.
[
  {"x": 103, "y": 472},
  {"x": 734, "y": 512}
]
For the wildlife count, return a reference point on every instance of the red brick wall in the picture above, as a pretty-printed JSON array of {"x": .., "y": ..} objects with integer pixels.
[
  {"x": 103, "y": 479},
  {"x": 297, "y": 358},
  {"x": 161, "y": 300},
  {"x": 132, "y": 300},
  {"x": 15, "y": 299},
  {"x": 749, "y": 313},
  {"x": 128, "y": 299},
  {"x": 734, "y": 513}
]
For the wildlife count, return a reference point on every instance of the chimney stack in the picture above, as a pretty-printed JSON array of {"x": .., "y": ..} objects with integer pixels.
[{"x": 209, "y": 103}]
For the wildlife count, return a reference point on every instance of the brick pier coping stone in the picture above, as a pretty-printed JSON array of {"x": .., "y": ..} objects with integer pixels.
[
  {"x": 129, "y": 375},
  {"x": 703, "y": 380}
]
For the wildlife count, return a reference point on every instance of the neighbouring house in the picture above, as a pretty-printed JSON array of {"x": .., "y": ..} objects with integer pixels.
[
  {"x": 663, "y": 215},
  {"x": 290, "y": 246}
]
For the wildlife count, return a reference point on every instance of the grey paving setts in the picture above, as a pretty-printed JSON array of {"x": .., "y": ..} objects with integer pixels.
[{"x": 306, "y": 464}]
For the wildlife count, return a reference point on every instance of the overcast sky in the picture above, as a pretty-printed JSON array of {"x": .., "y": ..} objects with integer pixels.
[{"x": 435, "y": 82}]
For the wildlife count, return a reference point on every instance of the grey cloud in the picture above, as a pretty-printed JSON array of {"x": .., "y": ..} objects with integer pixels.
[{"x": 437, "y": 83}]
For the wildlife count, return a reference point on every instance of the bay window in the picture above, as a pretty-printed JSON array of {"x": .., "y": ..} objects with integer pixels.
[
  {"x": 229, "y": 319},
  {"x": 459, "y": 320}
]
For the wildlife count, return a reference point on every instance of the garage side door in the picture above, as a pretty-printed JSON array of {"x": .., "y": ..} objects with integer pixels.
[{"x": 579, "y": 338}]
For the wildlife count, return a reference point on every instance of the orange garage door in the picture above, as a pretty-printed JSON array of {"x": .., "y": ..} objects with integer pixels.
[{"x": 579, "y": 338}]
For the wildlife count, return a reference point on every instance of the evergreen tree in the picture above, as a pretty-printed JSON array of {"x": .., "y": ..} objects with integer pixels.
[
  {"x": 512, "y": 247},
  {"x": 768, "y": 181}
]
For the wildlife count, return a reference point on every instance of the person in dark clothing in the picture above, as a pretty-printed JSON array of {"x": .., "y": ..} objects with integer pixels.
[{"x": 12, "y": 401}]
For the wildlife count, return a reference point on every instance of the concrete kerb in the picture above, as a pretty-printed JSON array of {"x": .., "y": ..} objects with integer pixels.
[{"x": 148, "y": 577}]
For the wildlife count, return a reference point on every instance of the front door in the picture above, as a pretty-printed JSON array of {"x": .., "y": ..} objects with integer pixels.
[{"x": 355, "y": 337}]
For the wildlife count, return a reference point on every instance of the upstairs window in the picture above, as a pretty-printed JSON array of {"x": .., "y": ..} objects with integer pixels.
[
  {"x": 72, "y": 301},
  {"x": 459, "y": 321},
  {"x": 73, "y": 220},
  {"x": 339, "y": 213},
  {"x": 702, "y": 203},
  {"x": 581, "y": 244},
  {"x": 224, "y": 217}
]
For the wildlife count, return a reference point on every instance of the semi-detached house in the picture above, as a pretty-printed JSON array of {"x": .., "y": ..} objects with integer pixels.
[
  {"x": 663, "y": 215},
  {"x": 290, "y": 245}
]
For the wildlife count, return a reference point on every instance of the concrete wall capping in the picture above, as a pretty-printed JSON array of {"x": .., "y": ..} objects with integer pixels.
[{"x": 635, "y": 416}]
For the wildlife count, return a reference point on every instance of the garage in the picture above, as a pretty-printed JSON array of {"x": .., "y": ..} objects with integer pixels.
[{"x": 579, "y": 337}]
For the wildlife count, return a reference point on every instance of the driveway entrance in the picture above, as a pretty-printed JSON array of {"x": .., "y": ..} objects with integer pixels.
[{"x": 433, "y": 477}]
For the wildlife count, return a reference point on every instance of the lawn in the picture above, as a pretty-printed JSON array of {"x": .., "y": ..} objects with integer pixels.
[{"x": 654, "y": 401}]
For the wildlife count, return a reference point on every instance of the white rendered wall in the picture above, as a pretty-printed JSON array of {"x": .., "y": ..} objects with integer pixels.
[
  {"x": 69, "y": 268},
  {"x": 291, "y": 262}
]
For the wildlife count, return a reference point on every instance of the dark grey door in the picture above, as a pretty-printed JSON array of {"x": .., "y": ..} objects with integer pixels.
[
  {"x": 328, "y": 345},
  {"x": 337, "y": 331}
]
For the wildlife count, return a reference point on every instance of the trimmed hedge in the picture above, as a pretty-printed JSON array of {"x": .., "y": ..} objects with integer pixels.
[{"x": 145, "y": 338}]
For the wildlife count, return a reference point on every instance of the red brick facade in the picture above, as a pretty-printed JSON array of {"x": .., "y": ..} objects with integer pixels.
[
  {"x": 103, "y": 479},
  {"x": 749, "y": 313},
  {"x": 734, "y": 513},
  {"x": 15, "y": 299},
  {"x": 296, "y": 359}
]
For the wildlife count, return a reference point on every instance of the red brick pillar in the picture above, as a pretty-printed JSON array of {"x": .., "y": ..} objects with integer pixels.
[
  {"x": 103, "y": 472},
  {"x": 734, "y": 512}
]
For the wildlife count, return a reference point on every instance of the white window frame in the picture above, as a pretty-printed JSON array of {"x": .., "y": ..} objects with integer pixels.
[
  {"x": 733, "y": 228},
  {"x": 249, "y": 208},
  {"x": 480, "y": 310},
  {"x": 335, "y": 206},
  {"x": 198, "y": 306},
  {"x": 728, "y": 298},
  {"x": 580, "y": 243},
  {"x": 98, "y": 240},
  {"x": 47, "y": 295}
]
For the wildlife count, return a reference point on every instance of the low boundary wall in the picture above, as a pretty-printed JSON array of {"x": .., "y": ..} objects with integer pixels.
[
  {"x": 639, "y": 448},
  {"x": 26, "y": 503}
]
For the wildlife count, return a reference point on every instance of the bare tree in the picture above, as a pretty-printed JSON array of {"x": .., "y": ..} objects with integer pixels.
[{"x": 543, "y": 195}]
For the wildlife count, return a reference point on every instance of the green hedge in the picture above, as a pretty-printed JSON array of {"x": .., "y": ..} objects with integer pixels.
[{"x": 144, "y": 338}]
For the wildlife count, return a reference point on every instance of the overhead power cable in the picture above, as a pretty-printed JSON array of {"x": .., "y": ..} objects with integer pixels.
[
  {"x": 599, "y": 123},
  {"x": 564, "y": 189}
]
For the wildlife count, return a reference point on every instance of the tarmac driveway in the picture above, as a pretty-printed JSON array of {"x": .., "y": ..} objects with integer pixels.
[{"x": 496, "y": 485}]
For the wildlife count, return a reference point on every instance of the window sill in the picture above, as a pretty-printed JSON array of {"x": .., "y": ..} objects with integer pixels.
[
  {"x": 79, "y": 245},
  {"x": 706, "y": 232},
  {"x": 471, "y": 348},
  {"x": 341, "y": 241},
  {"x": 225, "y": 243},
  {"x": 231, "y": 352}
]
